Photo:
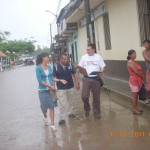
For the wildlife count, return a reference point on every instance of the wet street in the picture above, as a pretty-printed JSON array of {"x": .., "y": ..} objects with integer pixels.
[{"x": 22, "y": 127}]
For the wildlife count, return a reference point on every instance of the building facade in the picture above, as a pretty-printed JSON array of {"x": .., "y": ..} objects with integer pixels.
[{"x": 117, "y": 26}]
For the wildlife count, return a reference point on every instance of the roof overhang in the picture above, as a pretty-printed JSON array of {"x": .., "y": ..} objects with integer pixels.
[
  {"x": 2, "y": 54},
  {"x": 79, "y": 12}
]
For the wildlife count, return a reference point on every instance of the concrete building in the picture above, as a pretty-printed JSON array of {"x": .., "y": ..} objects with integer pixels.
[{"x": 117, "y": 26}]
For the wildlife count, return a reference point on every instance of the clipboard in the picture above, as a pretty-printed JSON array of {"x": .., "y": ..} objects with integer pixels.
[
  {"x": 94, "y": 73},
  {"x": 82, "y": 70}
]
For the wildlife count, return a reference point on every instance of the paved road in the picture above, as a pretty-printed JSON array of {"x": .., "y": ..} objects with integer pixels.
[{"x": 22, "y": 128}]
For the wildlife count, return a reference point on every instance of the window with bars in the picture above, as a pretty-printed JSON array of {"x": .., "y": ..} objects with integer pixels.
[
  {"x": 144, "y": 19},
  {"x": 107, "y": 31}
]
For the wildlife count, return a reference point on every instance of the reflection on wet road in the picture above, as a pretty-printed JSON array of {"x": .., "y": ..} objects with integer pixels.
[{"x": 22, "y": 127}]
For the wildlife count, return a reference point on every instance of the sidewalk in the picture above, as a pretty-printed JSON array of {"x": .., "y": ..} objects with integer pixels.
[
  {"x": 22, "y": 126},
  {"x": 121, "y": 89}
]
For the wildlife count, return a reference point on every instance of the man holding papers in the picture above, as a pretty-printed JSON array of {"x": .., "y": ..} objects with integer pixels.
[{"x": 91, "y": 66}]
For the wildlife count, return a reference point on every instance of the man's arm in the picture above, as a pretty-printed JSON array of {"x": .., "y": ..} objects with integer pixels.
[
  {"x": 76, "y": 80},
  {"x": 81, "y": 67},
  {"x": 75, "y": 77},
  {"x": 102, "y": 65},
  {"x": 102, "y": 70},
  {"x": 145, "y": 56},
  {"x": 55, "y": 79}
]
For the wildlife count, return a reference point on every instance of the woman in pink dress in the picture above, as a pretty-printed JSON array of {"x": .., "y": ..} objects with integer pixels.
[{"x": 136, "y": 79}]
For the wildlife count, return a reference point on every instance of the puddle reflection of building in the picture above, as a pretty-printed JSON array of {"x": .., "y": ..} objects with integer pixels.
[
  {"x": 141, "y": 126},
  {"x": 112, "y": 112}
]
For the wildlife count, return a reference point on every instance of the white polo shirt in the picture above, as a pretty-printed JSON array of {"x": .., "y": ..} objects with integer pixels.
[{"x": 92, "y": 63}]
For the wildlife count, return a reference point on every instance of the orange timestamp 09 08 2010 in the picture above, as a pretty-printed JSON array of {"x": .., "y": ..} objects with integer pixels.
[{"x": 134, "y": 134}]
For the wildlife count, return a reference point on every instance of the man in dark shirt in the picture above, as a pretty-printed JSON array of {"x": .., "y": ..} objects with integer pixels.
[{"x": 64, "y": 70}]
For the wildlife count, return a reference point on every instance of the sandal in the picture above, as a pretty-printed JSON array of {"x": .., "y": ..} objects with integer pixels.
[
  {"x": 137, "y": 113},
  {"x": 140, "y": 110},
  {"x": 53, "y": 128}
]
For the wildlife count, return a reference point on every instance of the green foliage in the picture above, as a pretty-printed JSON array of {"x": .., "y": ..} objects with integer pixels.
[
  {"x": 17, "y": 46},
  {"x": 40, "y": 50},
  {"x": 3, "y": 36}
]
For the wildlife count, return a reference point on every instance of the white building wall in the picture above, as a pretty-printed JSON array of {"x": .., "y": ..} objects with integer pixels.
[
  {"x": 124, "y": 30},
  {"x": 99, "y": 35},
  {"x": 82, "y": 38}
]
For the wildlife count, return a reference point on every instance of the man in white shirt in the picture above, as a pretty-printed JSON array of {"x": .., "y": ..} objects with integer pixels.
[{"x": 92, "y": 62}]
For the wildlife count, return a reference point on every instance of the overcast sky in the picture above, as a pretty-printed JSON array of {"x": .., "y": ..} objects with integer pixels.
[{"x": 27, "y": 18}]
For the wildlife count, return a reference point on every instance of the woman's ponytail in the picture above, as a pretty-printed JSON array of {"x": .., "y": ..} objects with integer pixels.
[
  {"x": 130, "y": 52},
  {"x": 128, "y": 57}
]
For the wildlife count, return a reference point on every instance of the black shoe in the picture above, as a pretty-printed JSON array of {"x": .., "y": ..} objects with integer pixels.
[
  {"x": 61, "y": 122},
  {"x": 97, "y": 115},
  {"x": 71, "y": 115},
  {"x": 87, "y": 113}
]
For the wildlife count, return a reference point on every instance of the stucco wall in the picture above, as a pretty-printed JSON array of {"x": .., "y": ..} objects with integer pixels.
[
  {"x": 82, "y": 41},
  {"x": 124, "y": 30}
]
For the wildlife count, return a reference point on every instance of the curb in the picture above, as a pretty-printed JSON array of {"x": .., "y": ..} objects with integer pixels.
[{"x": 125, "y": 99}]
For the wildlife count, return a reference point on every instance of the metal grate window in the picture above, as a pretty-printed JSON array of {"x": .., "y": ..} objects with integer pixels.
[
  {"x": 107, "y": 31},
  {"x": 144, "y": 19}
]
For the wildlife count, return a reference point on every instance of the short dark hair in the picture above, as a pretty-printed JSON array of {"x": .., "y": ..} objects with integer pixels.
[
  {"x": 146, "y": 41},
  {"x": 92, "y": 45},
  {"x": 63, "y": 54}
]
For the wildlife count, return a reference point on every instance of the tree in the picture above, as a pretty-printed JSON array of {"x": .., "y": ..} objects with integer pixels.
[
  {"x": 17, "y": 46},
  {"x": 40, "y": 50},
  {"x": 3, "y": 36}
]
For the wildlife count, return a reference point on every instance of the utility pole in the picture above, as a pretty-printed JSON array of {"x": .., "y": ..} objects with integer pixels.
[
  {"x": 50, "y": 29},
  {"x": 88, "y": 21},
  {"x": 51, "y": 45}
]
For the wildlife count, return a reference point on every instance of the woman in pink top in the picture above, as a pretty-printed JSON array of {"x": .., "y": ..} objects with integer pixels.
[{"x": 136, "y": 79}]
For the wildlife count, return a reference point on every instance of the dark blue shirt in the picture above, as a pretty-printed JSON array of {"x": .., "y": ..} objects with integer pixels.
[{"x": 64, "y": 73}]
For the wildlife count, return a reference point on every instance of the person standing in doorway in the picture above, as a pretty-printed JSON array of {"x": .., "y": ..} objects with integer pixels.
[
  {"x": 45, "y": 80},
  {"x": 92, "y": 62},
  {"x": 66, "y": 102},
  {"x": 135, "y": 81},
  {"x": 146, "y": 55}
]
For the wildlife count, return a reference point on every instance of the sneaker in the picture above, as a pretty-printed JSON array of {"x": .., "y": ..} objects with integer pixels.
[
  {"x": 87, "y": 113},
  {"x": 147, "y": 101},
  {"x": 97, "y": 115},
  {"x": 71, "y": 115},
  {"x": 45, "y": 120},
  {"x": 61, "y": 122}
]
